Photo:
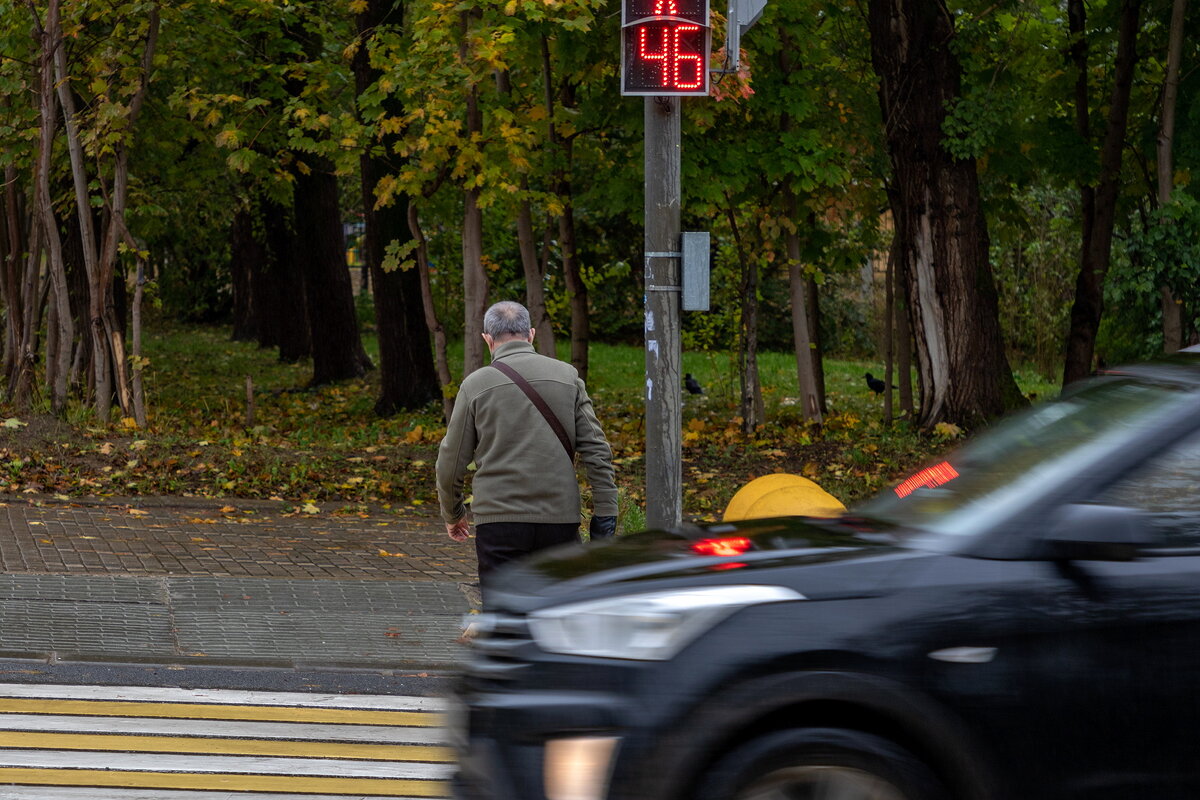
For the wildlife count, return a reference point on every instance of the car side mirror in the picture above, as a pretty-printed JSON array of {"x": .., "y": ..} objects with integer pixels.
[{"x": 1085, "y": 532}]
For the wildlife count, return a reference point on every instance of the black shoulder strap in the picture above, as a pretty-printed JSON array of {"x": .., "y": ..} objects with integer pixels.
[{"x": 539, "y": 404}]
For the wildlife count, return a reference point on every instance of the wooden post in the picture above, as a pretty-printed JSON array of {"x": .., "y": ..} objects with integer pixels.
[
  {"x": 664, "y": 400},
  {"x": 249, "y": 402}
]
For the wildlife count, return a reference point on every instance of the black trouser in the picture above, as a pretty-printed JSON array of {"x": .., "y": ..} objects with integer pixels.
[{"x": 497, "y": 543}]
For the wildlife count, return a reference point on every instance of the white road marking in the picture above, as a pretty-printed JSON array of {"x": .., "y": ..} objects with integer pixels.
[
  {"x": 92, "y": 793},
  {"x": 152, "y": 694},
  {"x": 140, "y": 726},
  {"x": 85, "y": 765},
  {"x": 236, "y": 765}
]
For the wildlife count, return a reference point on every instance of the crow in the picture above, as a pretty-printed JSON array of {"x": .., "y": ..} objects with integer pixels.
[
  {"x": 692, "y": 385},
  {"x": 874, "y": 384}
]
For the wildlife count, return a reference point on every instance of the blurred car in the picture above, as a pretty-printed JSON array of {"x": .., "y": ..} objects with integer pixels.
[{"x": 1020, "y": 619}]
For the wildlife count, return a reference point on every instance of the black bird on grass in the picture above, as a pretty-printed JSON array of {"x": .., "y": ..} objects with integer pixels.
[
  {"x": 874, "y": 384},
  {"x": 692, "y": 385}
]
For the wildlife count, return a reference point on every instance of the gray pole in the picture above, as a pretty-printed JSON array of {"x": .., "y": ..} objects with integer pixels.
[{"x": 664, "y": 403}]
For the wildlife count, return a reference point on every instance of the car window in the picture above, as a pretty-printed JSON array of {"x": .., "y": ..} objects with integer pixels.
[
  {"x": 1030, "y": 455},
  {"x": 1168, "y": 488}
]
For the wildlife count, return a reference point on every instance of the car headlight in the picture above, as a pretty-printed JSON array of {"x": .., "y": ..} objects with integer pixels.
[{"x": 644, "y": 627}]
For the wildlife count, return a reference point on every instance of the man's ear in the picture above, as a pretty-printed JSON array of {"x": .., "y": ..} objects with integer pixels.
[
  {"x": 532, "y": 333},
  {"x": 488, "y": 341}
]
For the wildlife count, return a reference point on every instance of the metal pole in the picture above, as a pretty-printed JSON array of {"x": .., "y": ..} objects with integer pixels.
[{"x": 664, "y": 402}]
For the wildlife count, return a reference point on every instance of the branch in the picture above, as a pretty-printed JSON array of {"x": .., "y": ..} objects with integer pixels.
[{"x": 135, "y": 105}]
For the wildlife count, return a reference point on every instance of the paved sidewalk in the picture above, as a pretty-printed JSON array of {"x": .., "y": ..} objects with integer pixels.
[{"x": 191, "y": 582}]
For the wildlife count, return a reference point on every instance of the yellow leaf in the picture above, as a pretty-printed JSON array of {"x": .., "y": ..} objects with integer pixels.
[
  {"x": 310, "y": 508},
  {"x": 414, "y": 436}
]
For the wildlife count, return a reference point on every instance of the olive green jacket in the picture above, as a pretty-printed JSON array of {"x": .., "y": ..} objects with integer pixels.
[{"x": 521, "y": 469}]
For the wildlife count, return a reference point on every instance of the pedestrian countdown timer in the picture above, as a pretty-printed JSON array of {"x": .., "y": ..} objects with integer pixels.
[{"x": 664, "y": 47}]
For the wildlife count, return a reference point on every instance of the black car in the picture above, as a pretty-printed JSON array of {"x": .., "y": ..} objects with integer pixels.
[{"x": 1018, "y": 620}]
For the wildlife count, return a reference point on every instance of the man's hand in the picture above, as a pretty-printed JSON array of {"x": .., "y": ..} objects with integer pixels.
[
  {"x": 459, "y": 531},
  {"x": 602, "y": 528}
]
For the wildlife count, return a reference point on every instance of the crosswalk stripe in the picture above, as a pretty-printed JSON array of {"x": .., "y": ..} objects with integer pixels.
[
  {"x": 133, "y": 743},
  {"x": 127, "y": 793},
  {"x": 230, "y": 729},
  {"x": 163, "y": 694},
  {"x": 216, "y": 746},
  {"x": 240, "y": 765},
  {"x": 363, "y": 787},
  {"x": 206, "y": 711}
]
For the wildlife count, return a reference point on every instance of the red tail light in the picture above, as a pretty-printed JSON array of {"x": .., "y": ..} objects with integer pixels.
[
  {"x": 928, "y": 478},
  {"x": 725, "y": 546}
]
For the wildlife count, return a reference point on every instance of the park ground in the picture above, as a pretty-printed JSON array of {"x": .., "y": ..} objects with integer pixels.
[{"x": 324, "y": 450}]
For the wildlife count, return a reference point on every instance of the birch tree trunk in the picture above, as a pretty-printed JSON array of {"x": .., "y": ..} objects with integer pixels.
[{"x": 942, "y": 235}]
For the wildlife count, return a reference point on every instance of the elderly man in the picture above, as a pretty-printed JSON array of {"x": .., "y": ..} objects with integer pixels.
[{"x": 521, "y": 420}]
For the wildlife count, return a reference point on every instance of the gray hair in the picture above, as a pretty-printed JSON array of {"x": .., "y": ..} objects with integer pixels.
[{"x": 506, "y": 319}]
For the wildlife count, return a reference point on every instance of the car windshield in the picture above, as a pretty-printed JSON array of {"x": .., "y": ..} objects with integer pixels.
[{"x": 1027, "y": 456}]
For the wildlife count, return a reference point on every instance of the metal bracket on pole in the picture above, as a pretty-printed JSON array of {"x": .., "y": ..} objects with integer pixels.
[
  {"x": 663, "y": 254},
  {"x": 742, "y": 15}
]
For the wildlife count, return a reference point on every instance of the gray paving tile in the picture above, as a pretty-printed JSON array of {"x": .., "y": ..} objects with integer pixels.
[
  {"x": 315, "y": 636},
  {"x": 80, "y": 629}
]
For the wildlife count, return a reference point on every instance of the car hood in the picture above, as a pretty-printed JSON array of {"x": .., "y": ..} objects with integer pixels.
[{"x": 820, "y": 558}]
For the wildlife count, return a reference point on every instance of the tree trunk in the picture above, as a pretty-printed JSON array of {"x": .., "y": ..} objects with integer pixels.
[
  {"x": 533, "y": 267},
  {"x": 475, "y": 279},
  {"x": 580, "y": 321},
  {"x": 943, "y": 241},
  {"x": 535, "y": 276},
  {"x": 904, "y": 345},
  {"x": 139, "y": 391},
  {"x": 12, "y": 236},
  {"x": 576, "y": 288},
  {"x": 1099, "y": 204},
  {"x": 280, "y": 291},
  {"x": 101, "y": 376},
  {"x": 475, "y": 282},
  {"x": 803, "y": 288},
  {"x": 806, "y": 377},
  {"x": 752, "y": 410},
  {"x": 1172, "y": 310},
  {"x": 246, "y": 254},
  {"x": 889, "y": 330},
  {"x": 431, "y": 318},
  {"x": 813, "y": 297},
  {"x": 59, "y": 361},
  {"x": 407, "y": 376},
  {"x": 337, "y": 349}
]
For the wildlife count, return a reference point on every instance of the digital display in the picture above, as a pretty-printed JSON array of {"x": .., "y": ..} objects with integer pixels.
[{"x": 665, "y": 47}]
